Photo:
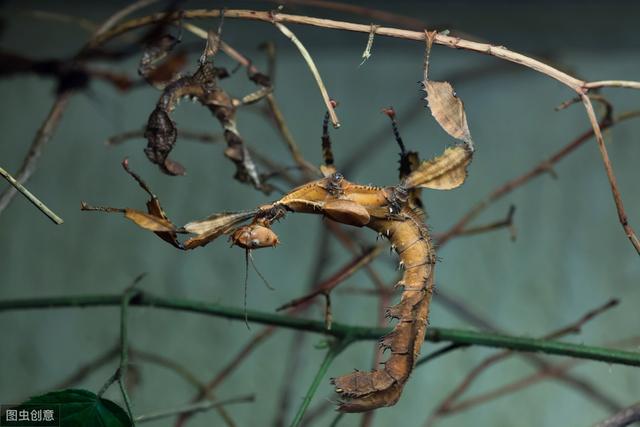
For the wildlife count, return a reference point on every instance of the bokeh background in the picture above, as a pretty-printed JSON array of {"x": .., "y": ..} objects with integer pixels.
[{"x": 570, "y": 254}]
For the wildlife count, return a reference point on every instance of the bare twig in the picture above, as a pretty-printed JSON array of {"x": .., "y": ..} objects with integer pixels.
[
  {"x": 543, "y": 167},
  {"x": 120, "y": 15},
  {"x": 623, "y": 418},
  {"x": 622, "y": 215},
  {"x": 328, "y": 285},
  {"x": 50, "y": 124},
  {"x": 443, "y": 408},
  {"x": 204, "y": 137},
  {"x": 271, "y": 101},
  {"x": 193, "y": 408},
  {"x": 314, "y": 70},
  {"x": 613, "y": 83},
  {"x": 43, "y": 136},
  {"x": 549, "y": 372},
  {"x": 33, "y": 199},
  {"x": 244, "y": 352},
  {"x": 503, "y": 223},
  {"x": 81, "y": 22}
]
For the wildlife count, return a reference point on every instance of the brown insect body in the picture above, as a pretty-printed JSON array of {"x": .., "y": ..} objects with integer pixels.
[
  {"x": 254, "y": 236},
  {"x": 351, "y": 204},
  {"x": 390, "y": 211}
]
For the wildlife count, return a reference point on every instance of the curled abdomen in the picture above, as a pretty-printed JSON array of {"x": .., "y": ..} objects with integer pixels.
[{"x": 364, "y": 391}]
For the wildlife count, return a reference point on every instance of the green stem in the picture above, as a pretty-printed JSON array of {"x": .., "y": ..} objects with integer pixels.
[
  {"x": 126, "y": 298},
  {"x": 335, "y": 349},
  {"x": 338, "y": 330},
  {"x": 33, "y": 199}
]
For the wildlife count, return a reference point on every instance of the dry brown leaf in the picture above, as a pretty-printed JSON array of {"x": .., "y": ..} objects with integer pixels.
[
  {"x": 447, "y": 109},
  {"x": 444, "y": 172},
  {"x": 149, "y": 222},
  {"x": 219, "y": 221},
  {"x": 213, "y": 227}
]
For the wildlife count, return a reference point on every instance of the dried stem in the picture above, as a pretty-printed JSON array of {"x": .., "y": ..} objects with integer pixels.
[
  {"x": 623, "y": 418},
  {"x": 314, "y": 70},
  {"x": 443, "y": 407},
  {"x": 43, "y": 136},
  {"x": 612, "y": 83},
  {"x": 622, "y": 215},
  {"x": 542, "y": 167},
  {"x": 328, "y": 285},
  {"x": 550, "y": 372},
  {"x": 193, "y": 408}
]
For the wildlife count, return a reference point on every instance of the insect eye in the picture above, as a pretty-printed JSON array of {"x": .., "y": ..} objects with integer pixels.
[{"x": 337, "y": 176}]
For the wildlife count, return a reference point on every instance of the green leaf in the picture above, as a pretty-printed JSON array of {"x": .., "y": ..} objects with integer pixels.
[{"x": 82, "y": 408}]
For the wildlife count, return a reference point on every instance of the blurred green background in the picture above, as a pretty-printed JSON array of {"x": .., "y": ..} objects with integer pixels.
[{"x": 570, "y": 254}]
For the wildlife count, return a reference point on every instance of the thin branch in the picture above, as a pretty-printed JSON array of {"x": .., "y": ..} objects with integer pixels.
[
  {"x": 314, "y": 70},
  {"x": 120, "y": 15},
  {"x": 338, "y": 330},
  {"x": 623, "y": 418},
  {"x": 365, "y": 11},
  {"x": 204, "y": 137},
  {"x": 441, "y": 39},
  {"x": 43, "y": 136},
  {"x": 240, "y": 356},
  {"x": 335, "y": 349},
  {"x": 193, "y": 408},
  {"x": 622, "y": 215},
  {"x": 496, "y": 225},
  {"x": 120, "y": 375},
  {"x": 278, "y": 117},
  {"x": 33, "y": 199},
  {"x": 542, "y": 167},
  {"x": 47, "y": 15},
  {"x": 549, "y": 372},
  {"x": 574, "y": 328},
  {"x": 328, "y": 285},
  {"x": 612, "y": 83},
  {"x": 50, "y": 124}
]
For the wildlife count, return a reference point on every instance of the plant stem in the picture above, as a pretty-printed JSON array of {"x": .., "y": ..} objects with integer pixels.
[
  {"x": 335, "y": 349},
  {"x": 193, "y": 407},
  {"x": 33, "y": 199},
  {"x": 338, "y": 330}
]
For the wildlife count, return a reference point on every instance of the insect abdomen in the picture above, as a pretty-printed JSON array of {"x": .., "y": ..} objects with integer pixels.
[{"x": 364, "y": 391}]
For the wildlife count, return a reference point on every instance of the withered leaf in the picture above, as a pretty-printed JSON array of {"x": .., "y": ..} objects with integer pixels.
[
  {"x": 148, "y": 221},
  {"x": 445, "y": 172},
  {"x": 447, "y": 109},
  {"x": 213, "y": 227},
  {"x": 218, "y": 221}
]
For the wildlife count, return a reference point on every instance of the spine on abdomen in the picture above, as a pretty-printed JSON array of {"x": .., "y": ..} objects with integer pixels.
[{"x": 364, "y": 391}]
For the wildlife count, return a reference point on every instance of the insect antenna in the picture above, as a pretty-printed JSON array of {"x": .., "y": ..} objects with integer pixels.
[
  {"x": 246, "y": 280},
  {"x": 264, "y": 280},
  {"x": 248, "y": 258}
]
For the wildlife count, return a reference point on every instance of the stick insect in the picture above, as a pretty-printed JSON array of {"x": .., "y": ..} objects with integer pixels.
[{"x": 391, "y": 211}]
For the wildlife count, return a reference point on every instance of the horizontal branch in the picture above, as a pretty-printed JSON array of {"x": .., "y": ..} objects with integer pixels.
[
  {"x": 267, "y": 16},
  {"x": 338, "y": 330}
]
